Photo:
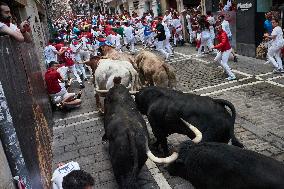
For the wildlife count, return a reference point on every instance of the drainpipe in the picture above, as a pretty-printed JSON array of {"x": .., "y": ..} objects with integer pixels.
[{"x": 10, "y": 142}]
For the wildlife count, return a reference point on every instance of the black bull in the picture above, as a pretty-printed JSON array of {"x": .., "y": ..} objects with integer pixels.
[
  {"x": 126, "y": 131},
  {"x": 165, "y": 108},
  {"x": 221, "y": 166}
]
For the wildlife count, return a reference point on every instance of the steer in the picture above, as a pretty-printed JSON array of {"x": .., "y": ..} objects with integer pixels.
[
  {"x": 108, "y": 69},
  {"x": 153, "y": 71},
  {"x": 220, "y": 166},
  {"x": 111, "y": 53},
  {"x": 165, "y": 108},
  {"x": 126, "y": 131}
]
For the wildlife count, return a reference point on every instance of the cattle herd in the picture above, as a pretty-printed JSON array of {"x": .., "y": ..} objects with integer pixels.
[{"x": 144, "y": 85}]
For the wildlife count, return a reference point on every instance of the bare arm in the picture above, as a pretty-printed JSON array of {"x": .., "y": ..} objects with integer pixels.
[
  {"x": 27, "y": 37},
  {"x": 25, "y": 28},
  {"x": 15, "y": 34},
  {"x": 62, "y": 50}
]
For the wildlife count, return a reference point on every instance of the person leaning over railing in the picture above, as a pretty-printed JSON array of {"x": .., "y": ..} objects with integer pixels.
[{"x": 6, "y": 27}]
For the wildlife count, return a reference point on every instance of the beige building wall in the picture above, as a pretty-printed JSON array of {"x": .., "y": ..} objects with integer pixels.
[{"x": 6, "y": 180}]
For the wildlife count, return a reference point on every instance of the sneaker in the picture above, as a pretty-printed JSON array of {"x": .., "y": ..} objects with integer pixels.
[
  {"x": 82, "y": 86},
  {"x": 86, "y": 79},
  {"x": 276, "y": 71},
  {"x": 235, "y": 59},
  {"x": 59, "y": 105},
  {"x": 231, "y": 78}
]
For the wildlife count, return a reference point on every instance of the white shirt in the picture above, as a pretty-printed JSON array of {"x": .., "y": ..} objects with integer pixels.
[
  {"x": 50, "y": 54},
  {"x": 176, "y": 23},
  {"x": 62, "y": 171},
  {"x": 187, "y": 17},
  {"x": 111, "y": 38},
  {"x": 167, "y": 19},
  {"x": 228, "y": 5},
  {"x": 167, "y": 31},
  {"x": 76, "y": 52},
  {"x": 12, "y": 26},
  {"x": 128, "y": 32},
  {"x": 278, "y": 41},
  {"x": 84, "y": 41},
  {"x": 226, "y": 27}
]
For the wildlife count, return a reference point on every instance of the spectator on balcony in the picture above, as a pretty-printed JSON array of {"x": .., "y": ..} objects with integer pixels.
[{"x": 6, "y": 27}]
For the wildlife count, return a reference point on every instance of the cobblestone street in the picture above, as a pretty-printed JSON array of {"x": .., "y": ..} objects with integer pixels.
[{"x": 258, "y": 96}]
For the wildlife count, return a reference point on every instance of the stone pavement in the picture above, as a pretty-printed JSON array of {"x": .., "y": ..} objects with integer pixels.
[{"x": 258, "y": 96}]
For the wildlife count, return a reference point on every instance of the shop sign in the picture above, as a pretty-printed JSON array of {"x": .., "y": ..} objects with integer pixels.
[{"x": 244, "y": 6}]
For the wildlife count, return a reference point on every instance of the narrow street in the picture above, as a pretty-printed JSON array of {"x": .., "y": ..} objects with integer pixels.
[{"x": 258, "y": 96}]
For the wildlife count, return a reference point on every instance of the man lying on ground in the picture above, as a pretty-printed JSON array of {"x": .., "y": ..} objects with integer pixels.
[{"x": 57, "y": 91}]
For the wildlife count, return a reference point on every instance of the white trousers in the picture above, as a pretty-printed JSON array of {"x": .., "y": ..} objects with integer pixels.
[
  {"x": 273, "y": 56},
  {"x": 81, "y": 70},
  {"x": 168, "y": 45},
  {"x": 161, "y": 48},
  {"x": 178, "y": 35},
  {"x": 117, "y": 42},
  {"x": 222, "y": 58},
  {"x": 61, "y": 95},
  {"x": 130, "y": 41},
  {"x": 74, "y": 71}
]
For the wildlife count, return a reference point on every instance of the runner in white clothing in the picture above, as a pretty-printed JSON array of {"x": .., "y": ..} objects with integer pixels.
[
  {"x": 176, "y": 23},
  {"x": 76, "y": 48},
  {"x": 129, "y": 37},
  {"x": 20, "y": 34},
  {"x": 226, "y": 27},
  {"x": 61, "y": 171},
  {"x": 277, "y": 44},
  {"x": 50, "y": 53}
]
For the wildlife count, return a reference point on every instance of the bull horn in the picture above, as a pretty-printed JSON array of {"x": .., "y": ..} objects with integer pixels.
[
  {"x": 129, "y": 86},
  {"x": 133, "y": 92},
  {"x": 197, "y": 133},
  {"x": 155, "y": 159},
  {"x": 166, "y": 160},
  {"x": 101, "y": 91}
]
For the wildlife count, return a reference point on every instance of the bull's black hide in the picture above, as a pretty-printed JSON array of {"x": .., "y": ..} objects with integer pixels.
[
  {"x": 126, "y": 131},
  {"x": 165, "y": 107},
  {"x": 220, "y": 166}
]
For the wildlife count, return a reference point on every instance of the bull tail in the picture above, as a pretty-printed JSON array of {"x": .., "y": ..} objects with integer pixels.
[
  {"x": 155, "y": 159},
  {"x": 230, "y": 105},
  {"x": 224, "y": 103},
  {"x": 132, "y": 177},
  {"x": 171, "y": 76}
]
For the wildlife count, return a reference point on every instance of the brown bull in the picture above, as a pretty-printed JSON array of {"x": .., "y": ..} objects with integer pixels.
[
  {"x": 111, "y": 53},
  {"x": 153, "y": 71}
]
